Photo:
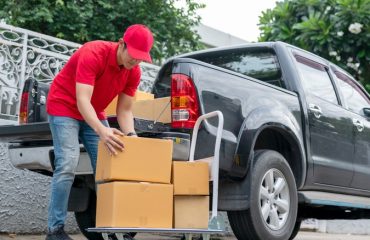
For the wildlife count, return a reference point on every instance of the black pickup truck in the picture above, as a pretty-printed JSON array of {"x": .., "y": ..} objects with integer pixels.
[{"x": 295, "y": 143}]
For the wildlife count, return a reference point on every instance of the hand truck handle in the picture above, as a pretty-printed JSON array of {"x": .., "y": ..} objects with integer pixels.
[{"x": 216, "y": 158}]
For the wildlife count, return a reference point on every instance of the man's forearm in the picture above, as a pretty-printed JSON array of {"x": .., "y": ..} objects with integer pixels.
[
  {"x": 88, "y": 113},
  {"x": 126, "y": 121}
]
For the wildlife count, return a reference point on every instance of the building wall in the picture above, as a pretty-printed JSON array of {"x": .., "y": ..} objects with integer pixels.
[
  {"x": 215, "y": 38},
  {"x": 24, "y": 198}
]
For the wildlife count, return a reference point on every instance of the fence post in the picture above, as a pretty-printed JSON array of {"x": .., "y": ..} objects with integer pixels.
[{"x": 23, "y": 70}]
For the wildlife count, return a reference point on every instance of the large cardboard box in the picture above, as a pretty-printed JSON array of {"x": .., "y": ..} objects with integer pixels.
[
  {"x": 190, "y": 178},
  {"x": 132, "y": 204},
  {"x": 139, "y": 96},
  {"x": 158, "y": 110},
  {"x": 143, "y": 159},
  {"x": 209, "y": 161},
  {"x": 191, "y": 212},
  {"x": 111, "y": 109}
]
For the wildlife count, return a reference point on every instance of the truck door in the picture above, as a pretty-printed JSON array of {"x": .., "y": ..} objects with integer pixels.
[
  {"x": 357, "y": 100},
  {"x": 330, "y": 126}
]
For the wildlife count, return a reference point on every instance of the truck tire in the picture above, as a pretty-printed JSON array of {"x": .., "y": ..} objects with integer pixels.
[
  {"x": 86, "y": 219},
  {"x": 296, "y": 229},
  {"x": 273, "y": 200}
]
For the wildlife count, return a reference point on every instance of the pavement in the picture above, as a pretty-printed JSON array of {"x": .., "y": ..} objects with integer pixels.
[{"x": 301, "y": 236}]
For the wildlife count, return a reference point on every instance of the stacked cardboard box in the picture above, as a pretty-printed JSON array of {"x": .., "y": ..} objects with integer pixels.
[
  {"x": 142, "y": 160},
  {"x": 158, "y": 109},
  {"x": 134, "y": 187},
  {"x": 191, "y": 194},
  {"x": 139, "y": 96},
  {"x": 142, "y": 187}
]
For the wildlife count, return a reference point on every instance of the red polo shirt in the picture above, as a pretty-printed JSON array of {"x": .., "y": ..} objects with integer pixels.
[{"x": 95, "y": 64}]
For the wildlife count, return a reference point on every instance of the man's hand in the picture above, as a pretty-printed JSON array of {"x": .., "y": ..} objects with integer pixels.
[{"x": 109, "y": 137}]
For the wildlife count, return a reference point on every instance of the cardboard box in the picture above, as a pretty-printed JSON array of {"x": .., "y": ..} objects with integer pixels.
[
  {"x": 139, "y": 96},
  {"x": 191, "y": 212},
  {"x": 158, "y": 109},
  {"x": 143, "y": 159},
  {"x": 209, "y": 161},
  {"x": 131, "y": 204},
  {"x": 111, "y": 109},
  {"x": 190, "y": 178}
]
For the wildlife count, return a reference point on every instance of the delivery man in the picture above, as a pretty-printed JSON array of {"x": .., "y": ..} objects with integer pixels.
[{"x": 94, "y": 75}]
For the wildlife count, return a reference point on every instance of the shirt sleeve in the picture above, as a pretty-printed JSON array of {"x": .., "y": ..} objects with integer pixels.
[
  {"x": 133, "y": 81},
  {"x": 88, "y": 66}
]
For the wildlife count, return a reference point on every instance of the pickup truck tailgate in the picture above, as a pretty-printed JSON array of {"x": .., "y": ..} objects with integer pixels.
[
  {"x": 26, "y": 132},
  {"x": 30, "y": 145}
]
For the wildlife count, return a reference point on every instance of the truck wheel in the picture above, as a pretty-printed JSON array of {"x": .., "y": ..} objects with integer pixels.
[
  {"x": 86, "y": 219},
  {"x": 272, "y": 209},
  {"x": 296, "y": 229}
]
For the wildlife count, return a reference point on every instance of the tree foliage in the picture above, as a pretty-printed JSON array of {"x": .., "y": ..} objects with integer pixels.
[
  {"x": 86, "y": 20},
  {"x": 338, "y": 30}
]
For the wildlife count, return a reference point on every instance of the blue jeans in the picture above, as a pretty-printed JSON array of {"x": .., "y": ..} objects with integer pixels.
[{"x": 67, "y": 132}]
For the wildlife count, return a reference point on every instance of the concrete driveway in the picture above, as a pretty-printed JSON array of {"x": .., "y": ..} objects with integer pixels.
[{"x": 301, "y": 236}]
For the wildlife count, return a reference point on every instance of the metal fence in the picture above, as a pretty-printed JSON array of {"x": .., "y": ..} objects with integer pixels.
[{"x": 25, "y": 54}]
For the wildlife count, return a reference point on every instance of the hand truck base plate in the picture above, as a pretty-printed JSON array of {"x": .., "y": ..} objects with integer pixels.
[{"x": 154, "y": 230}]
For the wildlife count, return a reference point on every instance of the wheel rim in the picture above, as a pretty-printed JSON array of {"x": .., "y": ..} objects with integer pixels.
[{"x": 274, "y": 199}]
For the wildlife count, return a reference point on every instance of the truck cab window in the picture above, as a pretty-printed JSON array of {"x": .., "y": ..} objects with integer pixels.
[
  {"x": 259, "y": 63},
  {"x": 316, "y": 80},
  {"x": 354, "y": 96}
]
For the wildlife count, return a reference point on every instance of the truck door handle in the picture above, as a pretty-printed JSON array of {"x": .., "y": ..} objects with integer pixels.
[
  {"x": 315, "y": 109},
  {"x": 359, "y": 125}
]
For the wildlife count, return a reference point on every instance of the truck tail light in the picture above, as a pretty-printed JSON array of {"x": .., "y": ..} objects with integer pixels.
[
  {"x": 23, "y": 111},
  {"x": 184, "y": 101}
]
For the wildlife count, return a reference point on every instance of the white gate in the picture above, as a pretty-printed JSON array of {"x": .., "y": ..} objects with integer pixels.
[{"x": 25, "y": 54}]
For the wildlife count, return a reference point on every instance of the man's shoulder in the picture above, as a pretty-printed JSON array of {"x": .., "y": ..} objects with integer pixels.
[
  {"x": 99, "y": 43},
  {"x": 98, "y": 46}
]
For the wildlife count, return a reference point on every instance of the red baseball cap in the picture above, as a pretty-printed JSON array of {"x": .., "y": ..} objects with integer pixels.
[{"x": 139, "y": 40}]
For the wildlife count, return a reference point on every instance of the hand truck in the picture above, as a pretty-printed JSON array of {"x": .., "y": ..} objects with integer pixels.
[{"x": 216, "y": 224}]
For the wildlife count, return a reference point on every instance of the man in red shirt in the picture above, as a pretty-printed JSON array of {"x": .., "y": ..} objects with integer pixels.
[{"x": 91, "y": 79}]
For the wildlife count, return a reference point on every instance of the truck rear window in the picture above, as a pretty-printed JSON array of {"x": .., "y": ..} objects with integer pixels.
[{"x": 259, "y": 63}]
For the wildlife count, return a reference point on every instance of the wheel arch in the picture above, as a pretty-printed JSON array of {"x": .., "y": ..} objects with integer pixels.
[
  {"x": 275, "y": 131},
  {"x": 282, "y": 140}
]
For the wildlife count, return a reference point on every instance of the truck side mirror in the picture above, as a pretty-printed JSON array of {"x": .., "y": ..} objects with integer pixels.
[{"x": 366, "y": 112}]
